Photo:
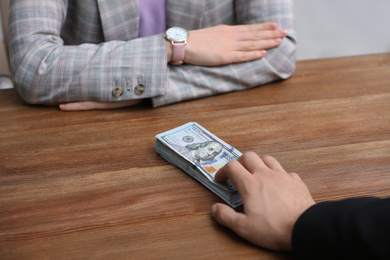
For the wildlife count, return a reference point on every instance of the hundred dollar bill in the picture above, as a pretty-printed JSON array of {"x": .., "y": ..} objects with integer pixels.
[{"x": 200, "y": 154}]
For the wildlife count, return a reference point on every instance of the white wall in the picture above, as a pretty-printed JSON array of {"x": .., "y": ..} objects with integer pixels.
[{"x": 333, "y": 28}]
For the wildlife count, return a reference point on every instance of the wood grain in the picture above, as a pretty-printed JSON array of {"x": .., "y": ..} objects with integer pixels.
[{"x": 90, "y": 184}]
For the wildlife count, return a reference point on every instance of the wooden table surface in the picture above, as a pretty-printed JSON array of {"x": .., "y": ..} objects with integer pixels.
[{"x": 90, "y": 184}]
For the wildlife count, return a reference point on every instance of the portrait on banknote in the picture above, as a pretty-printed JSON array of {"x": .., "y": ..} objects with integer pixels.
[{"x": 197, "y": 152}]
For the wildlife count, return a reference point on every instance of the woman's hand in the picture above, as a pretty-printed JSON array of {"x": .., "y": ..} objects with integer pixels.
[
  {"x": 225, "y": 44},
  {"x": 91, "y": 105}
]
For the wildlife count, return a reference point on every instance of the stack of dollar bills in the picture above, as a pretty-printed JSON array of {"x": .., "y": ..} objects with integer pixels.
[{"x": 200, "y": 154}]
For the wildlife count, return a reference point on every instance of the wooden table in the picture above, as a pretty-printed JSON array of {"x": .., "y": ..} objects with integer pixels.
[{"x": 90, "y": 184}]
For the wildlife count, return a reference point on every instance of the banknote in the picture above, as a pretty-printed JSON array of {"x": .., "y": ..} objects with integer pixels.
[{"x": 200, "y": 154}]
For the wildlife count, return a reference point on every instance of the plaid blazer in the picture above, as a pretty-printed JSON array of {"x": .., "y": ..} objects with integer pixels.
[{"x": 72, "y": 50}]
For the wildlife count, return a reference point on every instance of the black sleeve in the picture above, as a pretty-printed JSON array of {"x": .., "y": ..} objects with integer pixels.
[{"x": 357, "y": 228}]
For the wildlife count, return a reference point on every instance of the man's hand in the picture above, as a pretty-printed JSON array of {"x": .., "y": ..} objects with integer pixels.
[
  {"x": 91, "y": 105},
  {"x": 273, "y": 201},
  {"x": 225, "y": 44}
]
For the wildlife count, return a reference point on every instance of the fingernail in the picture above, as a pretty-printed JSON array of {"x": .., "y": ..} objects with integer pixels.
[
  {"x": 214, "y": 209},
  {"x": 284, "y": 31},
  {"x": 273, "y": 25},
  {"x": 278, "y": 40}
]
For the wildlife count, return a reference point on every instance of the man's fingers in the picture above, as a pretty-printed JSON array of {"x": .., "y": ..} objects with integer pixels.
[
  {"x": 235, "y": 172},
  {"x": 251, "y": 161},
  {"x": 228, "y": 217},
  {"x": 273, "y": 164},
  {"x": 295, "y": 176}
]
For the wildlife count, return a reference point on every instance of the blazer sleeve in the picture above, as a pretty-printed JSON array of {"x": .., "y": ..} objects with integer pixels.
[
  {"x": 47, "y": 68},
  {"x": 357, "y": 228},
  {"x": 60, "y": 52},
  {"x": 189, "y": 82}
]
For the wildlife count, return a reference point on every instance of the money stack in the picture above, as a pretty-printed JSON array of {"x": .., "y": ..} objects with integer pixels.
[{"x": 200, "y": 154}]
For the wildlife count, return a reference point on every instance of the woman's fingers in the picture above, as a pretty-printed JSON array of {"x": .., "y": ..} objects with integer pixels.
[{"x": 91, "y": 105}]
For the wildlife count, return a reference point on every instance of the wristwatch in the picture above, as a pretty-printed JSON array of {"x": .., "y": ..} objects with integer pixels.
[{"x": 178, "y": 37}]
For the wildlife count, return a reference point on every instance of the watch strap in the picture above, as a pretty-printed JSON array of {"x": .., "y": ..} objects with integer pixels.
[{"x": 178, "y": 52}]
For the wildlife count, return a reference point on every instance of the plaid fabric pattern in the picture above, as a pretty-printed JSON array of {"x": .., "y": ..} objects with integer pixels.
[{"x": 72, "y": 50}]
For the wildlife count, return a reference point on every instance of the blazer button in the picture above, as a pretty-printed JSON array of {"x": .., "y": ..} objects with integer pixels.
[
  {"x": 139, "y": 89},
  {"x": 117, "y": 92}
]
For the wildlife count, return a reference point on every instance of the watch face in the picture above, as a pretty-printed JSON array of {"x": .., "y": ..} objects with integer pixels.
[{"x": 176, "y": 34}]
